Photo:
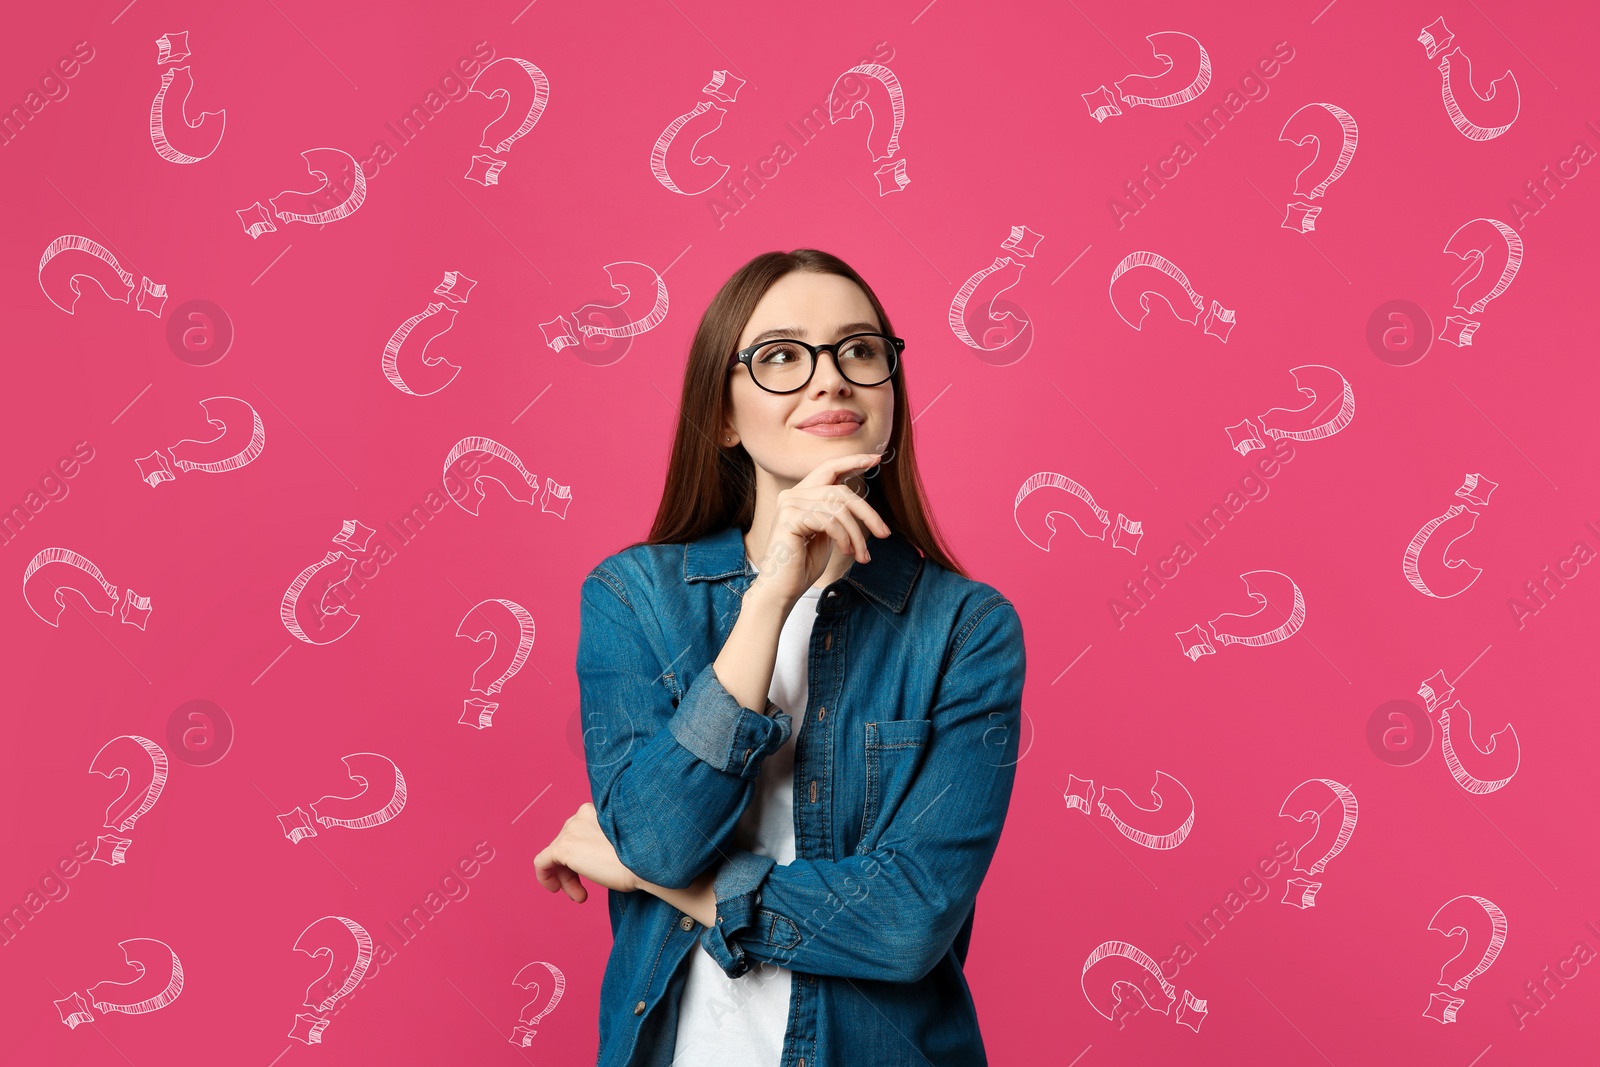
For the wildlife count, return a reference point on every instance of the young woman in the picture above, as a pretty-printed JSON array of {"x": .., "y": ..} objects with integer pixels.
[{"x": 800, "y": 715}]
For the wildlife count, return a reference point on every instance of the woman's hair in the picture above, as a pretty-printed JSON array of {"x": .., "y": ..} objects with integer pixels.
[{"x": 709, "y": 487}]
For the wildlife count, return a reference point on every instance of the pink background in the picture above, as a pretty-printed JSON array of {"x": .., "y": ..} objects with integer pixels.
[{"x": 995, "y": 135}]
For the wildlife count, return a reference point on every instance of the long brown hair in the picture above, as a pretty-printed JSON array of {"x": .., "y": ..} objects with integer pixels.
[{"x": 709, "y": 488}]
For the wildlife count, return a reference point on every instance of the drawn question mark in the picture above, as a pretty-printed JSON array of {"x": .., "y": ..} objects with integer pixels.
[
  {"x": 1072, "y": 502},
  {"x": 1126, "y": 978},
  {"x": 1187, "y": 75},
  {"x": 522, "y": 1034},
  {"x": 998, "y": 327},
  {"x": 348, "y": 947},
  {"x": 382, "y": 797},
  {"x": 1484, "y": 926},
  {"x": 848, "y": 98},
  {"x": 240, "y": 438},
  {"x": 490, "y": 460},
  {"x": 71, "y": 257},
  {"x": 1486, "y": 768},
  {"x": 144, "y": 766},
  {"x": 1312, "y": 799},
  {"x": 1504, "y": 98},
  {"x": 177, "y": 83},
  {"x": 1141, "y": 275},
  {"x": 673, "y": 158},
  {"x": 1307, "y": 423},
  {"x": 643, "y": 306},
  {"x": 1232, "y": 629},
  {"x": 1324, "y": 125},
  {"x": 342, "y": 178},
  {"x": 516, "y": 80},
  {"x": 1164, "y": 825},
  {"x": 52, "y": 571},
  {"x": 405, "y": 358},
  {"x": 1496, "y": 249},
  {"x": 485, "y": 621},
  {"x": 158, "y": 984},
  {"x": 1426, "y": 563}
]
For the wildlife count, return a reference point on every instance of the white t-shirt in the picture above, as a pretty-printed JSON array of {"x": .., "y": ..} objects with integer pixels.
[{"x": 722, "y": 1020}]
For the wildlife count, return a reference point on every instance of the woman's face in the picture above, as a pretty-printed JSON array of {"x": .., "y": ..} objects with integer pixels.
[{"x": 817, "y": 309}]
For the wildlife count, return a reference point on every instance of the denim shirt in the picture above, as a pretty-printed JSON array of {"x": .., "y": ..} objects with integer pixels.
[{"x": 903, "y": 771}]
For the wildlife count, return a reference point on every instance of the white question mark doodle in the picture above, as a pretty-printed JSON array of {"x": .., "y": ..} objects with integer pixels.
[
  {"x": 177, "y": 83},
  {"x": 70, "y": 257},
  {"x": 492, "y": 620},
  {"x": 522, "y": 1034},
  {"x": 516, "y": 80},
  {"x": 52, "y": 571},
  {"x": 1496, "y": 249},
  {"x": 348, "y": 947},
  {"x": 1187, "y": 75},
  {"x": 1141, "y": 275},
  {"x": 1174, "y": 810},
  {"x": 1248, "y": 435},
  {"x": 241, "y": 437},
  {"x": 490, "y": 460},
  {"x": 1484, "y": 926},
  {"x": 382, "y": 796},
  {"x": 1485, "y": 768},
  {"x": 1077, "y": 504},
  {"x": 997, "y": 328},
  {"x": 673, "y": 157},
  {"x": 848, "y": 98},
  {"x": 1247, "y": 629},
  {"x": 1312, "y": 799},
  {"x": 159, "y": 982},
  {"x": 1324, "y": 125},
  {"x": 643, "y": 307},
  {"x": 1126, "y": 977},
  {"x": 342, "y": 177},
  {"x": 1425, "y": 562},
  {"x": 1504, "y": 98},
  {"x": 405, "y": 358},
  {"x": 144, "y": 765}
]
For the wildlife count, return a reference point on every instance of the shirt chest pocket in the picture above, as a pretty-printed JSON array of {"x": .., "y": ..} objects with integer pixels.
[{"x": 894, "y": 751}]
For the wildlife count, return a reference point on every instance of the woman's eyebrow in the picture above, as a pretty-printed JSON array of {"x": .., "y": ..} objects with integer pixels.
[{"x": 799, "y": 332}]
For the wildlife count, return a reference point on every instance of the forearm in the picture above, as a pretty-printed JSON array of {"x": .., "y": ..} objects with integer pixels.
[{"x": 746, "y": 662}]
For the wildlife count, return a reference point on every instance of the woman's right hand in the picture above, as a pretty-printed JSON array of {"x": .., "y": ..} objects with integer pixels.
[{"x": 815, "y": 518}]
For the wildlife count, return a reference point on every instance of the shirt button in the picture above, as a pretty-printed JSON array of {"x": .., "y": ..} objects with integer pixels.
[
  {"x": 638, "y": 1009},
  {"x": 747, "y": 755},
  {"x": 686, "y": 923},
  {"x": 802, "y": 1061},
  {"x": 822, "y": 713}
]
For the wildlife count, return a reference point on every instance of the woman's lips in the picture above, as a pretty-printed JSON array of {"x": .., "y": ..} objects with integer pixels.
[{"x": 832, "y": 429}]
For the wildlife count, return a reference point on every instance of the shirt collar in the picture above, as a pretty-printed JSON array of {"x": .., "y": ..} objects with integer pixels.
[{"x": 887, "y": 578}]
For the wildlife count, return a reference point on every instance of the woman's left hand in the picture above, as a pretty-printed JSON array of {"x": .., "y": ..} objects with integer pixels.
[{"x": 582, "y": 848}]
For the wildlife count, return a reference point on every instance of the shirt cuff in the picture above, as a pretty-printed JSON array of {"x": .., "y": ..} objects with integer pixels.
[
  {"x": 737, "y": 887},
  {"x": 718, "y": 730}
]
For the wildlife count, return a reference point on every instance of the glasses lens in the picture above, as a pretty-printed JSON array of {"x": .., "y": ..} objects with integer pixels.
[{"x": 782, "y": 366}]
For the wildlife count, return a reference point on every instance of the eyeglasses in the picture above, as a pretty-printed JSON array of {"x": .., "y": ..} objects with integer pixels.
[{"x": 862, "y": 358}]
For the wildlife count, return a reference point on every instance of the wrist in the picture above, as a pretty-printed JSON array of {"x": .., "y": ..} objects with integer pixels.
[{"x": 762, "y": 598}]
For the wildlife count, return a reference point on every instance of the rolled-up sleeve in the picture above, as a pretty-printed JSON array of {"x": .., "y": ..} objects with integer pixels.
[
  {"x": 892, "y": 911},
  {"x": 668, "y": 783},
  {"x": 722, "y": 732}
]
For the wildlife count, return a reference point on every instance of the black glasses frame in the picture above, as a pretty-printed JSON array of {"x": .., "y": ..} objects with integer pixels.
[{"x": 744, "y": 355}]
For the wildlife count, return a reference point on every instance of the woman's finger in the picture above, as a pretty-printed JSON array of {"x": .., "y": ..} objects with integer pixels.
[
  {"x": 572, "y": 884},
  {"x": 827, "y": 472},
  {"x": 544, "y": 868},
  {"x": 866, "y": 511}
]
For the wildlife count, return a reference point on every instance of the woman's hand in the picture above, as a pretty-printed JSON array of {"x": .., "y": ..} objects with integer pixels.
[
  {"x": 795, "y": 556},
  {"x": 582, "y": 848}
]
